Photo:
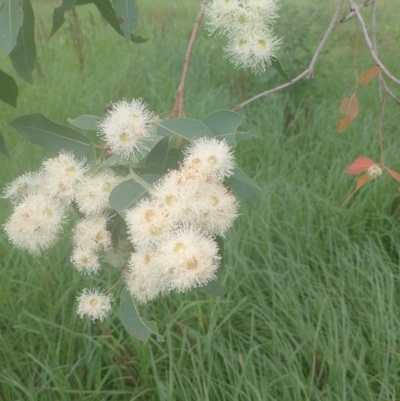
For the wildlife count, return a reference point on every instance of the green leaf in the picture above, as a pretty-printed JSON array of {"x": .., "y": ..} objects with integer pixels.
[
  {"x": 3, "y": 148},
  {"x": 125, "y": 195},
  {"x": 275, "y": 63},
  {"x": 127, "y": 12},
  {"x": 159, "y": 154},
  {"x": 186, "y": 128},
  {"x": 10, "y": 23},
  {"x": 135, "y": 324},
  {"x": 8, "y": 89},
  {"x": 85, "y": 122},
  {"x": 244, "y": 187},
  {"x": 52, "y": 136},
  {"x": 23, "y": 56},
  {"x": 223, "y": 124},
  {"x": 138, "y": 39},
  {"x": 248, "y": 135},
  {"x": 58, "y": 15}
]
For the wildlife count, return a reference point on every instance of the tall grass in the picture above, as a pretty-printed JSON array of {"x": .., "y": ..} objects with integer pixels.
[{"x": 312, "y": 307}]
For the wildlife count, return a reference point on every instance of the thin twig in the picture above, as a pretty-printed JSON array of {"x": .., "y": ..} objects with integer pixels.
[
  {"x": 308, "y": 72},
  {"x": 180, "y": 93},
  {"x": 381, "y": 119},
  {"x": 351, "y": 15},
  {"x": 370, "y": 45}
]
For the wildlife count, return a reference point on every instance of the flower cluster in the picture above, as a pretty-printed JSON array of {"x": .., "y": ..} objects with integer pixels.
[
  {"x": 173, "y": 232},
  {"x": 247, "y": 26}
]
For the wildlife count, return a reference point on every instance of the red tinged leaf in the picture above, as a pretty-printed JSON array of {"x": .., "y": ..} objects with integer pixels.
[
  {"x": 349, "y": 106},
  {"x": 369, "y": 75},
  {"x": 359, "y": 183},
  {"x": 344, "y": 123},
  {"x": 359, "y": 165},
  {"x": 394, "y": 174}
]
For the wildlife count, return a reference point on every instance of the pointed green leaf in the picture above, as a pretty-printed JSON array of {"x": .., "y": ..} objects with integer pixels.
[
  {"x": 85, "y": 122},
  {"x": 223, "y": 123},
  {"x": 248, "y": 135},
  {"x": 135, "y": 324},
  {"x": 8, "y": 89},
  {"x": 138, "y": 39},
  {"x": 58, "y": 15},
  {"x": 275, "y": 63},
  {"x": 159, "y": 154},
  {"x": 186, "y": 128},
  {"x": 127, "y": 12},
  {"x": 23, "y": 56},
  {"x": 3, "y": 148},
  {"x": 244, "y": 187},
  {"x": 10, "y": 23},
  {"x": 52, "y": 136}
]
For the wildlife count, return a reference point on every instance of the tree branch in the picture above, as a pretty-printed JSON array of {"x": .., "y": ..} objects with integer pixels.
[
  {"x": 180, "y": 93},
  {"x": 370, "y": 45},
  {"x": 352, "y": 14},
  {"x": 308, "y": 72}
]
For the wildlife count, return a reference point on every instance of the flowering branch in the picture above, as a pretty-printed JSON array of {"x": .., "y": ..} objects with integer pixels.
[
  {"x": 370, "y": 45},
  {"x": 180, "y": 93},
  {"x": 308, "y": 72}
]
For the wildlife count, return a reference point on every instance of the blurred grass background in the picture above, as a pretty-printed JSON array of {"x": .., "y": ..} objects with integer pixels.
[{"x": 312, "y": 310}]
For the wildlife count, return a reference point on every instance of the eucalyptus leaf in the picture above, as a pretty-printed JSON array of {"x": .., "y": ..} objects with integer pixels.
[
  {"x": 275, "y": 63},
  {"x": 244, "y": 187},
  {"x": 159, "y": 154},
  {"x": 58, "y": 15},
  {"x": 52, "y": 136},
  {"x": 3, "y": 148},
  {"x": 8, "y": 89},
  {"x": 135, "y": 324},
  {"x": 85, "y": 122},
  {"x": 127, "y": 12},
  {"x": 252, "y": 134},
  {"x": 126, "y": 195},
  {"x": 23, "y": 56},
  {"x": 223, "y": 123},
  {"x": 186, "y": 128},
  {"x": 10, "y": 24}
]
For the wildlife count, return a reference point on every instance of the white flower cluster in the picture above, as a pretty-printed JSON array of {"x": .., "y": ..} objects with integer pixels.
[
  {"x": 41, "y": 200},
  {"x": 173, "y": 232},
  {"x": 247, "y": 26}
]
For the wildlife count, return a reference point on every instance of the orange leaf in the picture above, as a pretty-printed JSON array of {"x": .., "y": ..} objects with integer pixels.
[
  {"x": 359, "y": 165},
  {"x": 344, "y": 123},
  {"x": 359, "y": 183},
  {"x": 349, "y": 106},
  {"x": 394, "y": 174},
  {"x": 369, "y": 75}
]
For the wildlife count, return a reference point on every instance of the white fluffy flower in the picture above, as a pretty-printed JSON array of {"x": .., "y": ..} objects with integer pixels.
[
  {"x": 218, "y": 14},
  {"x": 210, "y": 158},
  {"x": 26, "y": 184},
  {"x": 127, "y": 127},
  {"x": 189, "y": 259},
  {"x": 218, "y": 209},
  {"x": 62, "y": 173},
  {"x": 35, "y": 223},
  {"x": 93, "y": 304},
  {"x": 375, "y": 171},
  {"x": 143, "y": 280},
  {"x": 91, "y": 233},
  {"x": 85, "y": 260},
  {"x": 147, "y": 223},
  {"x": 93, "y": 190}
]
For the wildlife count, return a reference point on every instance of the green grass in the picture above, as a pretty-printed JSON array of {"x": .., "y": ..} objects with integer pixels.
[{"x": 312, "y": 310}]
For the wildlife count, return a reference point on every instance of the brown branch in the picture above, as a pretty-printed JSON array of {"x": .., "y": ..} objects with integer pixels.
[
  {"x": 352, "y": 14},
  {"x": 180, "y": 93},
  {"x": 370, "y": 44},
  {"x": 308, "y": 72}
]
